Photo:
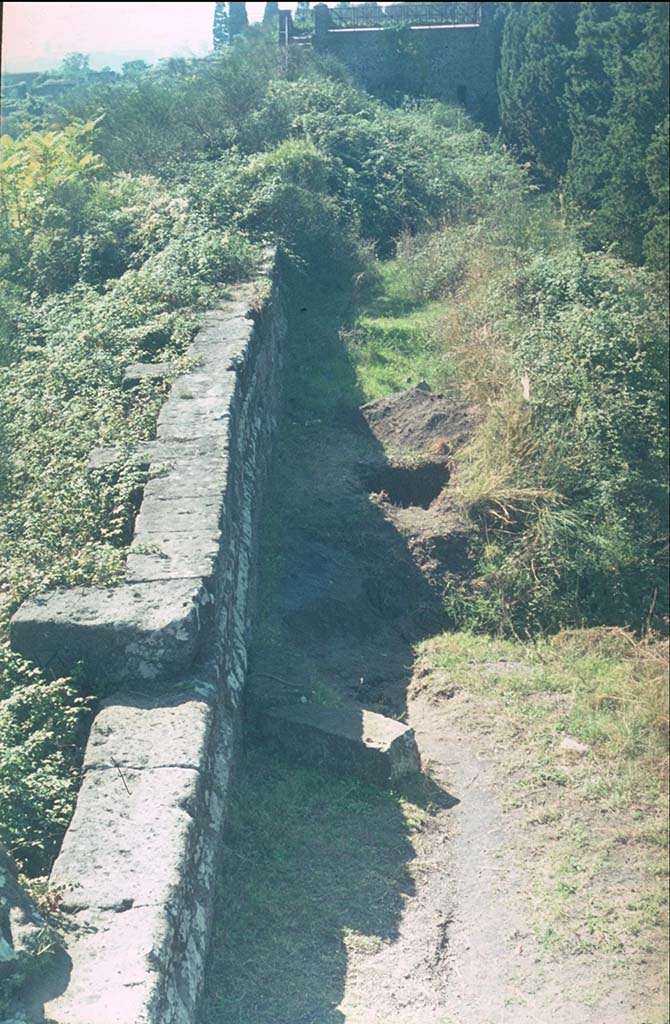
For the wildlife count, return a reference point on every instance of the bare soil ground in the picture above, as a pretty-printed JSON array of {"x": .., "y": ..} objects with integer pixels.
[
  {"x": 468, "y": 950},
  {"x": 341, "y": 904}
]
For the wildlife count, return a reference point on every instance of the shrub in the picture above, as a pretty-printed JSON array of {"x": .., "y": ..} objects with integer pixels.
[
  {"x": 40, "y": 734},
  {"x": 566, "y": 479}
]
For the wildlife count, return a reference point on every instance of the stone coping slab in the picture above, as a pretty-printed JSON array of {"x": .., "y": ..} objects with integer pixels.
[{"x": 121, "y": 634}]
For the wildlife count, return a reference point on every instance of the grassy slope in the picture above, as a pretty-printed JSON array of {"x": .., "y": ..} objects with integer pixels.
[{"x": 597, "y": 876}]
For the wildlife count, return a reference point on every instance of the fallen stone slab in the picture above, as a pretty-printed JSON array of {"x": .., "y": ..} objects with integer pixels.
[
  {"x": 347, "y": 740},
  {"x": 138, "y": 373}
]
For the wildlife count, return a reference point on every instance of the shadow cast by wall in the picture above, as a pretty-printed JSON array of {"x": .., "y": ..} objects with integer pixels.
[
  {"x": 317, "y": 863},
  {"x": 342, "y": 602},
  {"x": 314, "y": 865}
]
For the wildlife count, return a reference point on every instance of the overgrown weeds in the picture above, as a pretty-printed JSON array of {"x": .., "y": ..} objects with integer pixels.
[{"x": 565, "y": 355}]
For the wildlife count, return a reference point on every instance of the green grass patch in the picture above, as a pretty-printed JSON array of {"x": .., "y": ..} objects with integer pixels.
[{"x": 393, "y": 342}]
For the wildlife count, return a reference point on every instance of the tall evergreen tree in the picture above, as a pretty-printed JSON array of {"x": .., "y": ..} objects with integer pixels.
[
  {"x": 221, "y": 34},
  {"x": 237, "y": 18},
  {"x": 656, "y": 244},
  {"x": 617, "y": 102},
  {"x": 537, "y": 45},
  {"x": 271, "y": 13},
  {"x": 588, "y": 99}
]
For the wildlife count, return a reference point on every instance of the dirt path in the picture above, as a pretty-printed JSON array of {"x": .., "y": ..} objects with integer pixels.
[
  {"x": 340, "y": 904},
  {"x": 467, "y": 953}
]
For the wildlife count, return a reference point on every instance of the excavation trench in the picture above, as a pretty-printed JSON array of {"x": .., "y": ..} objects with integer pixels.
[
  {"x": 409, "y": 486},
  {"x": 319, "y": 869}
]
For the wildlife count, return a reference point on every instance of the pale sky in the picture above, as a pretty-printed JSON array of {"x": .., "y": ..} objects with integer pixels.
[{"x": 36, "y": 36}]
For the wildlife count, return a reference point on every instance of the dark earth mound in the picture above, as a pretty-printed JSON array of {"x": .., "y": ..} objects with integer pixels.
[{"x": 419, "y": 422}]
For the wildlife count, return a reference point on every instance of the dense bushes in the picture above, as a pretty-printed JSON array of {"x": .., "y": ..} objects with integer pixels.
[
  {"x": 565, "y": 480},
  {"x": 40, "y": 735},
  {"x": 584, "y": 97}
]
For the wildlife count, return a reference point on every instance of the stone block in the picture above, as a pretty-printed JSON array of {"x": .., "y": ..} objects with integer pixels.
[
  {"x": 142, "y": 455},
  {"x": 119, "y": 965},
  {"x": 128, "y": 838},
  {"x": 217, "y": 384},
  {"x": 140, "y": 731},
  {"x": 127, "y": 634},
  {"x": 137, "y": 868},
  {"x": 194, "y": 418},
  {"x": 179, "y": 515},
  {"x": 223, "y": 343},
  {"x": 139, "y": 373},
  {"x": 189, "y": 475},
  {"x": 346, "y": 740},
  {"x": 174, "y": 556}
]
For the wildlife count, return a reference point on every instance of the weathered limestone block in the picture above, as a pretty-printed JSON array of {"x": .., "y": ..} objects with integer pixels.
[
  {"x": 194, "y": 418},
  {"x": 120, "y": 812},
  {"x": 139, "y": 860},
  {"x": 25, "y": 939},
  {"x": 174, "y": 554},
  {"x": 179, "y": 515},
  {"x": 139, "y": 373},
  {"x": 191, "y": 474},
  {"x": 128, "y": 634},
  {"x": 105, "y": 459},
  {"x": 145, "y": 454},
  {"x": 347, "y": 740},
  {"x": 171, "y": 730},
  {"x": 119, "y": 967}
]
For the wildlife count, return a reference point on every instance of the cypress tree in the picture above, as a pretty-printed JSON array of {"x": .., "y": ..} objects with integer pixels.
[
  {"x": 221, "y": 36},
  {"x": 617, "y": 102},
  {"x": 537, "y": 45},
  {"x": 271, "y": 13},
  {"x": 237, "y": 18},
  {"x": 303, "y": 18}
]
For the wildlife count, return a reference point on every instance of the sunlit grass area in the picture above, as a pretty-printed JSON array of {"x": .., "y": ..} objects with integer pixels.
[
  {"x": 393, "y": 340},
  {"x": 595, "y": 807}
]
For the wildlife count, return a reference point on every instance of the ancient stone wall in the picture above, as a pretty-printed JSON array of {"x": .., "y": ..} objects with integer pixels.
[
  {"x": 447, "y": 51},
  {"x": 456, "y": 63},
  {"x": 137, "y": 867}
]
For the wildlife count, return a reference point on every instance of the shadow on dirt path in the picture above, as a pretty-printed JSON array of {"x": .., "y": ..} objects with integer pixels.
[
  {"x": 342, "y": 602},
  {"x": 318, "y": 866}
]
